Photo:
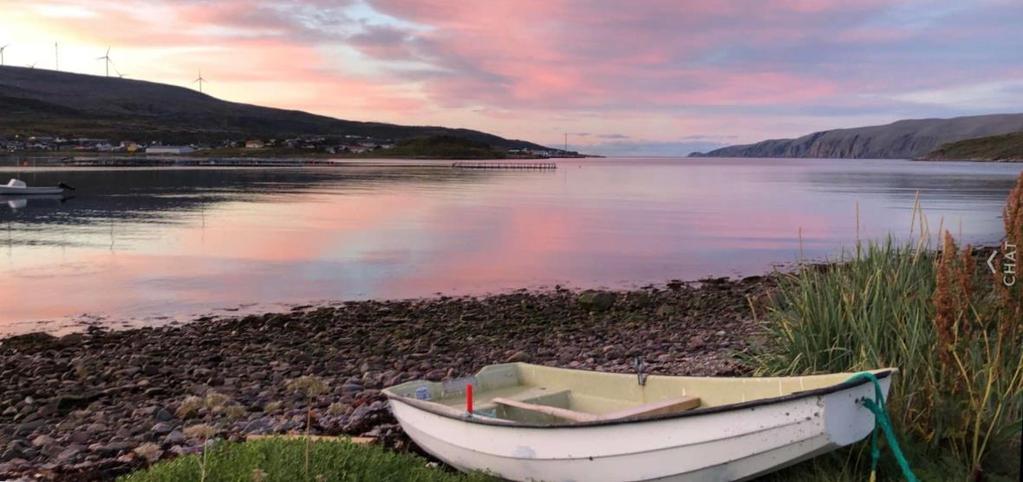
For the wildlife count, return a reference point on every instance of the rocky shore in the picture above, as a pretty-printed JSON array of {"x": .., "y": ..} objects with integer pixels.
[{"x": 94, "y": 405}]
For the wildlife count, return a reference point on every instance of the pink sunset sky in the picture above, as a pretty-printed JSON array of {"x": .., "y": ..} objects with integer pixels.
[{"x": 643, "y": 77}]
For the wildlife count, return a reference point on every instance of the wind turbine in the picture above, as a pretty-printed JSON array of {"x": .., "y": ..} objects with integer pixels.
[
  {"x": 106, "y": 60},
  {"x": 2, "y": 55},
  {"x": 56, "y": 56},
  {"x": 200, "y": 80}
]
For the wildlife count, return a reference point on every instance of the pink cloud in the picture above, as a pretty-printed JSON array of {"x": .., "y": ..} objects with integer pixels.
[{"x": 568, "y": 54}]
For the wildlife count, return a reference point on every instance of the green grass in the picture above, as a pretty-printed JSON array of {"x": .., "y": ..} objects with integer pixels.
[
  {"x": 992, "y": 148},
  {"x": 281, "y": 460},
  {"x": 444, "y": 147},
  {"x": 957, "y": 416}
]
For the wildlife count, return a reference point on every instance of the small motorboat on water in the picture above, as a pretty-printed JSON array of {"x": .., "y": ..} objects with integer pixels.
[
  {"x": 18, "y": 187},
  {"x": 534, "y": 423}
]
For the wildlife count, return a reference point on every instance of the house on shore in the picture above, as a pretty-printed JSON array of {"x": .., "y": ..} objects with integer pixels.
[{"x": 254, "y": 144}]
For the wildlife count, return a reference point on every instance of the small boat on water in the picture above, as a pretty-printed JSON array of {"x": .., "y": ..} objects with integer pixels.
[
  {"x": 534, "y": 423},
  {"x": 18, "y": 187}
]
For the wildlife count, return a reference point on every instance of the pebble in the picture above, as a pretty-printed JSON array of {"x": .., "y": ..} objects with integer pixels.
[
  {"x": 69, "y": 453},
  {"x": 174, "y": 438},
  {"x": 163, "y": 415},
  {"x": 519, "y": 356},
  {"x": 162, "y": 428}
]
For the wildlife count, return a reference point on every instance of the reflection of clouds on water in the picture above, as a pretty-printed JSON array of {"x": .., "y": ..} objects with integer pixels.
[
  {"x": 132, "y": 199},
  {"x": 148, "y": 244}
]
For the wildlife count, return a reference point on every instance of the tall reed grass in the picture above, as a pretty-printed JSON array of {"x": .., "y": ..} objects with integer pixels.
[{"x": 949, "y": 325}]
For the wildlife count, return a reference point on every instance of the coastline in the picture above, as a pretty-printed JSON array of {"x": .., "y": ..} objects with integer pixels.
[
  {"x": 239, "y": 157},
  {"x": 315, "y": 159},
  {"x": 75, "y": 407}
]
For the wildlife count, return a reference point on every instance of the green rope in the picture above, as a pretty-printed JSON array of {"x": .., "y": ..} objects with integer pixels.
[{"x": 882, "y": 422}]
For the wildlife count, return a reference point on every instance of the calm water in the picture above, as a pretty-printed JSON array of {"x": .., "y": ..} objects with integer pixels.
[{"x": 156, "y": 245}]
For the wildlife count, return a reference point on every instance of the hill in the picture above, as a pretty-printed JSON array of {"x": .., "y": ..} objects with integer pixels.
[
  {"x": 46, "y": 102},
  {"x": 1006, "y": 147},
  {"x": 904, "y": 139}
]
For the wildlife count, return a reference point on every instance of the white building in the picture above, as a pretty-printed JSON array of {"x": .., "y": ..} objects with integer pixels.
[{"x": 169, "y": 150}]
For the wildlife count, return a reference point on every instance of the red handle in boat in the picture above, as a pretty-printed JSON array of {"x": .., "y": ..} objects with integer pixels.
[{"x": 468, "y": 398}]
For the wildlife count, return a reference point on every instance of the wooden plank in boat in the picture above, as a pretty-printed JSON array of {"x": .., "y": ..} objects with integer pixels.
[
  {"x": 536, "y": 394},
  {"x": 547, "y": 410},
  {"x": 663, "y": 407}
]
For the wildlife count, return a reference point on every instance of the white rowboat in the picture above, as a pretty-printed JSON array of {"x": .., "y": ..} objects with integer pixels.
[
  {"x": 536, "y": 423},
  {"x": 18, "y": 187}
]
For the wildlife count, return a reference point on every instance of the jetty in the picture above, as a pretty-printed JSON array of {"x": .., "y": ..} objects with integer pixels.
[{"x": 504, "y": 165}]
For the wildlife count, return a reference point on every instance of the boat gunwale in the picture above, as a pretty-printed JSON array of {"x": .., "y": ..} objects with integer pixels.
[{"x": 437, "y": 409}]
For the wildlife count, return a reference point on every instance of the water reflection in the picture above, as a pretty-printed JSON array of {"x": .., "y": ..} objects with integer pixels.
[
  {"x": 167, "y": 195},
  {"x": 158, "y": 244}
]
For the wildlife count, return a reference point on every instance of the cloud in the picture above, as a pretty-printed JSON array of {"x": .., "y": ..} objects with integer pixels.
[
  {"x": 65, "y": 11},
  {"x": 537, "y": 68},
  {"x": 704, "y": 137},
  {"x": 1006, "y": 94}
]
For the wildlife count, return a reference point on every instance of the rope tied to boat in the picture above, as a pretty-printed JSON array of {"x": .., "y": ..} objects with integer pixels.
[{"x": 883, "y": 424}]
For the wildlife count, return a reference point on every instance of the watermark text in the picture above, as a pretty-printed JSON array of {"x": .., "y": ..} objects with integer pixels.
[{"x": 1009, "y": 271}]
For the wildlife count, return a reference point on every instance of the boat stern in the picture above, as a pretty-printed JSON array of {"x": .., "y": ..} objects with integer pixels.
[{"x": 846, "y": 420}]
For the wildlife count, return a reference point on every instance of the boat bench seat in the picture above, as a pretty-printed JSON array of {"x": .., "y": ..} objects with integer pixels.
[
  {"x": 663, "y": 407},
  {"x": 537, "y": 395}
]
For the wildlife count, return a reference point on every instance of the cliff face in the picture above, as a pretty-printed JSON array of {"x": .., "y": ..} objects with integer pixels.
[{"x": 905, "y": 139}]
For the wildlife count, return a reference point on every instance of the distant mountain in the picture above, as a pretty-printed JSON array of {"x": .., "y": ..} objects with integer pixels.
[
  {"x": 904, "y": 139},
  {"x": 1006, "y": 147},
  {"x": 46, "y": 102}
]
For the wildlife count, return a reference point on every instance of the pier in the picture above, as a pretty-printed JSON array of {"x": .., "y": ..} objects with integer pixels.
[{"x": 504, "y": 165}]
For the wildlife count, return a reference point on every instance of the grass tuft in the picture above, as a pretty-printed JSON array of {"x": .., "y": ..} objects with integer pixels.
[
  {"x": 279, "y": 460},
  {"x": 189, "y": 407}
]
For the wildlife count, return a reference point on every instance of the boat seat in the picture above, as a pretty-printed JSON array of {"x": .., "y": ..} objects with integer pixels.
[
  {"x": 663, "y": 407},
  {"x": 557, "y": 412},
  {"x": 538, "y": 395}
]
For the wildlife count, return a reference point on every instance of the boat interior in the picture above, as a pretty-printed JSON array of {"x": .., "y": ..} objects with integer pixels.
[{"x": 533, "y": 394}]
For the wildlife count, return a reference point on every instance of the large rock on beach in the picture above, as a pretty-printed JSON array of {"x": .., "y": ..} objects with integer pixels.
[{"x": 598, "y": 301}]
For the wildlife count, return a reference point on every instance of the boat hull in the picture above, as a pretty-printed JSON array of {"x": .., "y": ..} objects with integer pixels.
[
  {"x": 29, "y": 191},
  {"x": 735, "y": 444}
]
